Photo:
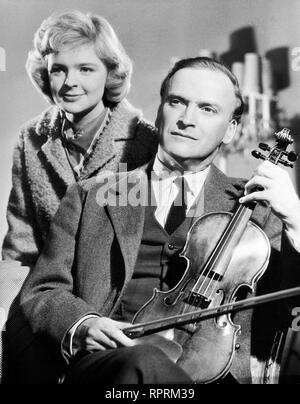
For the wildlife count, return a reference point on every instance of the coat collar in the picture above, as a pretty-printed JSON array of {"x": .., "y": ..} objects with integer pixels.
[{"x": 109, "y": 146}]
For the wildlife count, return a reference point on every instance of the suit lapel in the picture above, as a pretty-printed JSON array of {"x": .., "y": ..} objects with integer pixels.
[
  {"x": 220, "y": 192},
  {"x": 128, "y": 215}
]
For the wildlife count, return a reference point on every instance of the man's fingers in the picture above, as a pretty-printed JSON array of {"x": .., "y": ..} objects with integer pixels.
[
  {"x": 104, "y": 333},
  {"x": 255, "y": 197},
  {"x": 101, "y": 338},
  {"x": 257, "y": 182},
  {"x": 269, "y": 170},
  {"x": 121, "y": 338}
]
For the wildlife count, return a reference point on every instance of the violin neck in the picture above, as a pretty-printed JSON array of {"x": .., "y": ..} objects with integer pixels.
[{"x": 240, "y": 219}]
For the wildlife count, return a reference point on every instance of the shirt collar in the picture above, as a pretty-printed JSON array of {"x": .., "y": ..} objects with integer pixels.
[{"x": 165, "y": 173}]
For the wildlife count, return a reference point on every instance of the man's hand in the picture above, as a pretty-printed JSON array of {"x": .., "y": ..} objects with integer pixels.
[
  {"x": 100, "y": 333},
  {"x": 275, "y": 188}
]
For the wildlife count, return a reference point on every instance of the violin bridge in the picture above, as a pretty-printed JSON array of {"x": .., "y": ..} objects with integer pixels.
[{"x": 197, "y": 300}]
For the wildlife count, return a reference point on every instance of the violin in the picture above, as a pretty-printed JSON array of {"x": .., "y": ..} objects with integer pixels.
[{"x": 218, "y": 264}]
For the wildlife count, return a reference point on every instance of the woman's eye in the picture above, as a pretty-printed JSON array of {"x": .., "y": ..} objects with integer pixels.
[
  {"x": 56, "y": 70},
  {"x": 86, "y": 69}
]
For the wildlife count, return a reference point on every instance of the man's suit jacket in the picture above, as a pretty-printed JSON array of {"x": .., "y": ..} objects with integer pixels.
[{"x": 91, "y": 252}]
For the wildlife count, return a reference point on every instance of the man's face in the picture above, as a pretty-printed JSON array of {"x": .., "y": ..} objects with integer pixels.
[{"x": 196, "y": 114}]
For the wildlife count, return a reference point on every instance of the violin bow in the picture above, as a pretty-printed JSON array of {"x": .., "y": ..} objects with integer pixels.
[{"x": 151, "y": 327}]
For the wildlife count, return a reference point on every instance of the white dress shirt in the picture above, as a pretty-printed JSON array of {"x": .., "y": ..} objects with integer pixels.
[{"x": 165, "y": 189}]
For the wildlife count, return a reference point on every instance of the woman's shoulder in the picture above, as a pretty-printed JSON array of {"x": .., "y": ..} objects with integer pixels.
[
  {"x": 125, "y": 111},
  {"x": 45, "y": 124}
]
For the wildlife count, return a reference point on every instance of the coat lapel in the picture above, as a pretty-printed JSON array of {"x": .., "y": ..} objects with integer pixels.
[
  {"x": 50, "y": 127},
  {"x": 56, "y": 156}
]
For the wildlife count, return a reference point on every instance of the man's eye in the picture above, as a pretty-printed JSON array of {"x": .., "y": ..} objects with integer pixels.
[{"x": 209, "y": 110}]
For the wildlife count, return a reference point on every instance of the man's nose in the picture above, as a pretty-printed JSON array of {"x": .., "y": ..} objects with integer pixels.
[{"x": 188, "y": 117}]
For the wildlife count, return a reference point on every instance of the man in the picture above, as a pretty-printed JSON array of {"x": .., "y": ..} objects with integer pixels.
[{"x": 104, "y": 257}]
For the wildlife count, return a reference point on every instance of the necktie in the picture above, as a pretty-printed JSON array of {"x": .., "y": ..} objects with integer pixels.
[{"x": 177, "y": 210}]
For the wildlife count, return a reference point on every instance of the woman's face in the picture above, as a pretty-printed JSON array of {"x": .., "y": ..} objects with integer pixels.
[{"x": 77, "y": 80}]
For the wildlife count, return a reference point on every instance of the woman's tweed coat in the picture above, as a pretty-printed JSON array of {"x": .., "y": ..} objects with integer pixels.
[{"x": 41, "y": 172}]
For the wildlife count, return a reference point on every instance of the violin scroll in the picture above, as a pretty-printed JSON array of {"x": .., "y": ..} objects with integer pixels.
[{"x": 277, "y": 154}]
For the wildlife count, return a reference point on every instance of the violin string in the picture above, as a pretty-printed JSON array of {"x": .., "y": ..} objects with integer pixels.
[
  {"x": 209, "y": 267},
  {"x": 237, "y": 220},
  {"x": 211, "y": 264}
]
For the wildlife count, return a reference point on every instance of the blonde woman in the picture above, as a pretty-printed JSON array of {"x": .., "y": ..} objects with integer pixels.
[{"x": 80, "y": 66}]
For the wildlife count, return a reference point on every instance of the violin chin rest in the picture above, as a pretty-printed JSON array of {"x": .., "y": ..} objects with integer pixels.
[{"x": 171, "y": 348}]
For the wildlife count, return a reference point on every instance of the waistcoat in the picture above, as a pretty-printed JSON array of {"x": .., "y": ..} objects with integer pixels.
[{"x": 158, "y": 264}]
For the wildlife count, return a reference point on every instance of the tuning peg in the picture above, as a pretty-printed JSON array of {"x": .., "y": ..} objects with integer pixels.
[
  {"x": 292, "y": 156},
  {"x": 264, "y": 147},
  {"x": 258, "y": 155}
]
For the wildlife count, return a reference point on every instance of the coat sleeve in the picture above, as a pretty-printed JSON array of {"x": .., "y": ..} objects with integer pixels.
[
  {"x": 47, "y": 298},
  {"x": 22, "y": 240}
]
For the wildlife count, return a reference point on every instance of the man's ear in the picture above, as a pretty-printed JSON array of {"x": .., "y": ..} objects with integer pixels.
[
  {"x": 230, "y": 132},
  {"x": 158, "y": 116}
]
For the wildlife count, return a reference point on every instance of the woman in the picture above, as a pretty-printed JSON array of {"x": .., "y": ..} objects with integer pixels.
[{"x": 80, "y": 66}]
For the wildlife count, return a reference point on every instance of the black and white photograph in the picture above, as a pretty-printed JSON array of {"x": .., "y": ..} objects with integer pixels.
[{"x": 150, "y": 194}]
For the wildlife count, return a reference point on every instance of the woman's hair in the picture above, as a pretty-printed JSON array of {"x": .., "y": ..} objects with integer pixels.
[
  {"x": 210, "y": 64},
  {"x": 72, "y": 29}
]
